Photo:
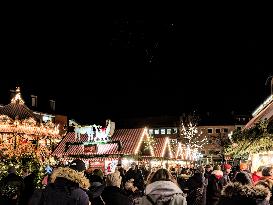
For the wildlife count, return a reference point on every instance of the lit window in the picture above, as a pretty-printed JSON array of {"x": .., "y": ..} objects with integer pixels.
[
  {"x": 174, "y": 130},
  {"x": 169, "y": 131},
  {"x": 163, "y": 132},
  {"x": 151, "y": 131},
  {"x": 156, "y": 131}
]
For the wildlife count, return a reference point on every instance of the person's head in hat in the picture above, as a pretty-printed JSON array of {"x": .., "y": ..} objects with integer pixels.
[
  {"x": 77, "y": 165},
  {"x": 243, "y": 166},
  {"x": 208, "y": 168},
  {"x": 227, "y": 168}
]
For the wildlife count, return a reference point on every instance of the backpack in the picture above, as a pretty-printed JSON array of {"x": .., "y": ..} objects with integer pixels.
[{"x": 57, "y": 196}]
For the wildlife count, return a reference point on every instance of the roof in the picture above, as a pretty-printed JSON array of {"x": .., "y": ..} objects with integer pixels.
[
  {"x": 17, "y": 110},
  {"x": 159, "y": 146},
  {"x": 265, "y": 113},
  {"x": 129, "y": 139}
]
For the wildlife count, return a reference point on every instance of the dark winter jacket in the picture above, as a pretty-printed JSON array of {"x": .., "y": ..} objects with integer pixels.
[
  {"x": 114, "y": 195},
  {"x": 66, "y": 183},
  {"x": 29, "y": 189},
  {"x": 95, "y": 192},
  {"x": 197, "y": 189},
  {"x": 11, "y": 189},
  {"x": 236, "y": 193},
  {"x": 215, "y": 185}
]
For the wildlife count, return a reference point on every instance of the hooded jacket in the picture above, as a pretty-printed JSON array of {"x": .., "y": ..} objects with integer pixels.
[
  {"x": 66, "y": 180},
  {"x": 236, "y": 193},
  {"x": 161, "y": 192}
]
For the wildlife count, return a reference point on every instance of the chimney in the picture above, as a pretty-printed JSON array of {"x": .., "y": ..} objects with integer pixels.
[
  {"x": 52, "y": 105},
  {"x": 33, "y": 100}
]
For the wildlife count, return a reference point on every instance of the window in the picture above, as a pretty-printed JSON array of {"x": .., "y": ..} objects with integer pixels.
[
  {"x": 174, "y": 130},
  {"x": 162, "y": 131},
  {"x": 169, "y": 131},
  {"x": 210, "y": 130},
  {"x": 156, "y": 131},
  {"x": 239, "y": 128},
  {"x": 225, "y": 129},
  {"x": 217, "y": 130},
  {"x": 151, "y": 131}
]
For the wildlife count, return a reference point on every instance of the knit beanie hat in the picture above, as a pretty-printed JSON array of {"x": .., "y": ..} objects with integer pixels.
[
  {"x": 113, "y": 179},
  {"x": 77, "y": 165}
]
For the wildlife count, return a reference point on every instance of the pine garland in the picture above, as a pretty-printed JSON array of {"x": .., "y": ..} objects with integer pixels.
[{"x": 250, "y": 141}]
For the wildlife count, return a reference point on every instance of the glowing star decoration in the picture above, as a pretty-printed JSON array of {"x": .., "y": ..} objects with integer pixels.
[{"x": 17, "y": 98}]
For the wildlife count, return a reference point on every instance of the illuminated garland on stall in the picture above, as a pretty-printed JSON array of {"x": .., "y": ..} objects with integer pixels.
[
  {"x": 68, "y": 144},
  {"x": 256, "y": 139}
]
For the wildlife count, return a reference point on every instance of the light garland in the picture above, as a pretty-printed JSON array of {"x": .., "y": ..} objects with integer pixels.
[{"x": 141, "y": 140}]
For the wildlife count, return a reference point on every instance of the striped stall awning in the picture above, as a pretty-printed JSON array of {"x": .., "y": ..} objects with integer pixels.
[{"x": 129, "y": 139}]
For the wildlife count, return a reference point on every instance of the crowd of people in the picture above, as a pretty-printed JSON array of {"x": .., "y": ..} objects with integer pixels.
[{"x": 74, "y": 185}]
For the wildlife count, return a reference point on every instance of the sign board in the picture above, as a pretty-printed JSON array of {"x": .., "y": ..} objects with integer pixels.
[{"x": 90, "y": 148}]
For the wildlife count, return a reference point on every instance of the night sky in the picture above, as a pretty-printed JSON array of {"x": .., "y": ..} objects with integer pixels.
[{"x": 138, "y": 65}]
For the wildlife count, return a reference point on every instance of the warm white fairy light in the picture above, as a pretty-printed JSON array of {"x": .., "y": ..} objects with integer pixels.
[
  {"x": 17, "y": 98},
  {"x": 179, "y": 150},
  {"x": 145, "y": 133},
  {"x": 169, "y": 146},
  {"x": 194, "y": 141}
]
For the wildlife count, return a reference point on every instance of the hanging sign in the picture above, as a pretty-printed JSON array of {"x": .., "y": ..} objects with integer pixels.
[{"x": 90, "y": 148}]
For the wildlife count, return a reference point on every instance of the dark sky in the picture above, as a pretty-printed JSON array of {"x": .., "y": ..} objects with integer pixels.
[{"x": 129, "y": 65}]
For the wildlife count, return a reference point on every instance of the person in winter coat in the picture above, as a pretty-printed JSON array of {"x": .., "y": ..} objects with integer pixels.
[
  {"x": 267, "y": 183},
  {"x": 97, "y": 187},
  {"x": 162, "y": 189},
  {"x": 256, "y": 176},
  {"x": 226, "y": 172},
  {"x": 135, "y": 173},
  {"x": 11, "y": 188},
  {"x": 216, "y": 182},
  {"x": 112, "y": 194},
  {"x": 197, "y": 187},
  {"x": 236, "y": 193},
  {"x": 68, "y": 186},
  {"x": 243, "y": 178}
]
